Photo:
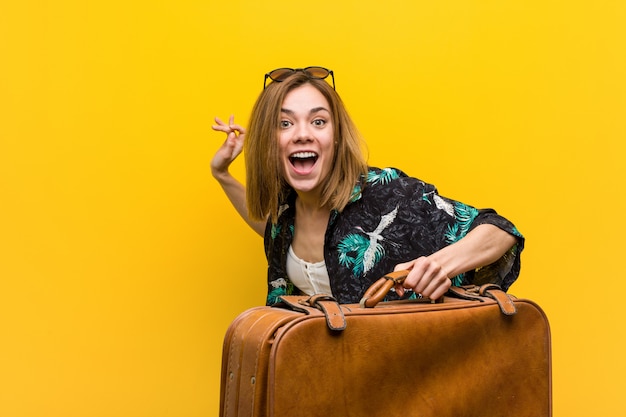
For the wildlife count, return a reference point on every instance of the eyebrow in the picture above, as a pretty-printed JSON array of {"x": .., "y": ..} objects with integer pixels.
[{"x": 312, "y": 111}]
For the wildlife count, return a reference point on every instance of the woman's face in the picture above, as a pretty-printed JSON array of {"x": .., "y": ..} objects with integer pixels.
[{"x": 306, "y": 139}]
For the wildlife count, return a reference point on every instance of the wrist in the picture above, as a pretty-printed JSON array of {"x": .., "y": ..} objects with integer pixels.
[{"x": 220, "y": 175}]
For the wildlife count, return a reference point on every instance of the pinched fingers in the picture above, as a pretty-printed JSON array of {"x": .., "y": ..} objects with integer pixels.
[
  {"x": 228, "y": 128},
  {"x": 230, "y": 149},
  {"x": 240, "y": 130},
  {"x": 220, "y": 125}
]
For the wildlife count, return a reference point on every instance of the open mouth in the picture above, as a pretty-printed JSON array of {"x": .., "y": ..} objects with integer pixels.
[{"x": 303, "y": 161}]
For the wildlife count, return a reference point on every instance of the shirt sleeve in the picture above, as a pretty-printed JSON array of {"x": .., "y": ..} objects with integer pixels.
[
  {"x": 450, "y": 220},
  {"x": 505, "y": 270}
]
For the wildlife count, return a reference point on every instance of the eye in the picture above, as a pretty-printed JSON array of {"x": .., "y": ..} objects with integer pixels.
[
  {"x": 284, "y": 124},
  {"x": 319, "y": 122}
]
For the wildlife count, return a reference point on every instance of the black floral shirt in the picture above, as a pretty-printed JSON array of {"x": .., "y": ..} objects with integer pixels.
[{"x": 393, "y": 218}]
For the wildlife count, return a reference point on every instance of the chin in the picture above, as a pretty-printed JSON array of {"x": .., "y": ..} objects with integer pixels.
[{"x": 304, "y": 186}]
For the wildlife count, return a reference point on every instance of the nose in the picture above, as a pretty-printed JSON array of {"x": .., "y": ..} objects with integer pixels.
[{"x": 302, "y": 133}]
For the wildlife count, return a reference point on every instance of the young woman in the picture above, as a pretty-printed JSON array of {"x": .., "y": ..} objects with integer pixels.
[{"x": 331, "y": 224}]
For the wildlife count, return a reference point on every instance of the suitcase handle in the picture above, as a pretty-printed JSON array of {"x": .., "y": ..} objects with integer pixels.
[{"x": 378, "y": 290}]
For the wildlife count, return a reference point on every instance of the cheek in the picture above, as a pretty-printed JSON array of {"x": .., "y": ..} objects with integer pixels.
[
  {"x": 331, "y": 147},
  {"x": 282, "y": 144}
]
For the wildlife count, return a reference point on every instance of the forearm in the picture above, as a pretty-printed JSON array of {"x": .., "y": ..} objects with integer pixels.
[
  {"x": 482, "y": 246},
  {"x": 236, "y": 193}
]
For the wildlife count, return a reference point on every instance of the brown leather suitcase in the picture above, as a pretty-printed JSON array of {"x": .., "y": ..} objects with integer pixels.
[{"x": 478, "y": 353}]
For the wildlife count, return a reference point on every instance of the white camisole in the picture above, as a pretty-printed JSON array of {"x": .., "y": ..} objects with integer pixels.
[{"x": 310, "y": 278}]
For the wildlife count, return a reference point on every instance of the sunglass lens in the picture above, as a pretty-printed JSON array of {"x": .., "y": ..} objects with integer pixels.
[
  {"x": 317, "y": 72},
  {"x": 280, "y": 74}
]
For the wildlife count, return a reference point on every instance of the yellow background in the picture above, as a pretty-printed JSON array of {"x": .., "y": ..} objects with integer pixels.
[{"x": 121, "y": 261}]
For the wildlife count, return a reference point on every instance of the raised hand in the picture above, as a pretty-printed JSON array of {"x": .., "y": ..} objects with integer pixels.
[{"x": 230, "y": 149}]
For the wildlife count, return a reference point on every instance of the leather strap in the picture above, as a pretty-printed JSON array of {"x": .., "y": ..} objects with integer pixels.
[
  {"x": 335, "y": 320},
  {"x": 324, "y": 303},
  {"x": 504, "y": 301},
  {"x": 466, "y": 292},
  {"x": 294, "y": 302}
]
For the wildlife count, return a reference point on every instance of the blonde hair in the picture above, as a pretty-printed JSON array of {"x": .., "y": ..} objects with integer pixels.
[{"x": 266, "y": 188}]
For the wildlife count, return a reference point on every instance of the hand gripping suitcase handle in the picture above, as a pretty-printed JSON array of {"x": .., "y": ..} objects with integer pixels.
[{"x": 378, "y": 290}]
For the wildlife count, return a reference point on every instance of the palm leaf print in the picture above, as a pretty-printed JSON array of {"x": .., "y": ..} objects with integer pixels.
[
  {"x": 281, "y": 286},
  {"x": 273, "y": 296},
  {"x": 351, "y": 251},
  {"x": 464, "y": 216},
  {"x": 275, "y": 230},
  {"x": 452, "y": 233},
  {"x": 385, "y": 176}
]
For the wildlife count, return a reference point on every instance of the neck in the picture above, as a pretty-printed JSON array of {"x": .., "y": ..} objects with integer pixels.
[{"x": 310, "y": 205}]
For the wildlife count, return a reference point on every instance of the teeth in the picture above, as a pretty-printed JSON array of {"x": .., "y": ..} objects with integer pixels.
[{"x": 304, "y": 155}]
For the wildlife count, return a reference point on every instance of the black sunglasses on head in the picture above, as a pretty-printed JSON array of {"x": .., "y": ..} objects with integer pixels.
[{"x": 316, "y": 73}]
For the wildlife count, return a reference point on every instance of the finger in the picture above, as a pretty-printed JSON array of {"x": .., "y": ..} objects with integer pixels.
[
  {"x": 403, "y": 266},
  {"x": 434, "y": 282},
  {"x": 424, "y": 273},
  {"x": 437, "y": 288},
  {"x": 240, "y": 129},
  {"x": 416, "y": 273},
  {"x": 231, "y": 119},
  {"x": 221, "y": 128},
  {"x": 399, "y": 290}
]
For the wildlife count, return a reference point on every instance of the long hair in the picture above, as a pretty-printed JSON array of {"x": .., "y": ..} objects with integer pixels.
[{"x": 266, "y": 189}]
